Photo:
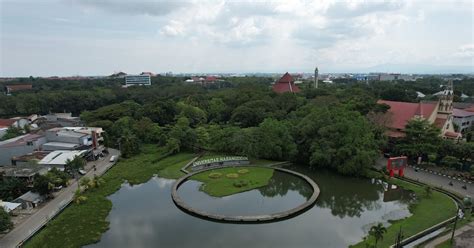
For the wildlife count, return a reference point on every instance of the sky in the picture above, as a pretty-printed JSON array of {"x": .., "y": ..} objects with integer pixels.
[{"x": 100, "y": 37}]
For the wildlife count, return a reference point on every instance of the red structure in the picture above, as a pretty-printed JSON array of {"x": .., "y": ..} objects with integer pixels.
[
  {"x": 396, "y": 164},
  {"x": 286, "y": 84}
]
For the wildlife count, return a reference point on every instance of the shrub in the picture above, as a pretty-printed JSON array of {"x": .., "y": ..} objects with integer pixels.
[
  {"x": 214, "y": 175},
  {"x": 232, "y": 175},
  {"x": 240, "y": 183},
  {"x": 243, "y": 171}
]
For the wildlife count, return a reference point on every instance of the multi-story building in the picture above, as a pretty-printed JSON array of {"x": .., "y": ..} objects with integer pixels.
[
  {"x": 463, "y": 119},
  {"x": 19, "y": 146},
  {"x": 131, "y": 80}
]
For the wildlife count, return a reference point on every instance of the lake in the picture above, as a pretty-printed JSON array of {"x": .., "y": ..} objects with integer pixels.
[{"x": 145, "y": 216}]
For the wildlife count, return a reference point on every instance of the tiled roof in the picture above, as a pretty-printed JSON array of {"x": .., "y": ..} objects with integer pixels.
[
  {"x": 402, "y": 112},
  {"x": 287, "y": 78},
  {"x": 18, "y": 87},
  {"x": 285, "y": 87},
  {"x": 452, "y": 135},
  {"x": 6, "y": 122},
  {"x": 286, "y": 84},
  {"x": 462, "y": 113}
]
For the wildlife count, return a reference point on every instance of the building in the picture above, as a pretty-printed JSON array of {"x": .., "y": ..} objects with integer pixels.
[
  {"x": 18, "y": 122},
  {"x": 131, "y": 80},
  {"x": 17, "y": 87},
  {"x": 9, "y": 207},
  {"x": 439, "y": 113},
  {"x": 24, "y": 173},
  {"x": 395, "y": 76},
  {"x": 19, "y": 146},
  {"x": 285, "y": 84},
  {"x": 29, "y": 147},
  {"x": 29, "y": 159},
  {"x": 60, "y": 158},
  {"x": 63, "y": 138},
  {"x": 57, "y": 120},
  {"x": 29, "y": 200},
  {"x": 463, "y": 119}
]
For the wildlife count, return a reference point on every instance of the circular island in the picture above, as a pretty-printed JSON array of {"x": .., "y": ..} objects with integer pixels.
[{"x": 209, "y": 175}]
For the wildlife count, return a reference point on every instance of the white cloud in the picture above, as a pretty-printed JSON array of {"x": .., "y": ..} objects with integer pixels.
[
  {"x": 465, "y": 51},
  {"x": 236, "y": 36},
  {"x": 174, "y": 28}
]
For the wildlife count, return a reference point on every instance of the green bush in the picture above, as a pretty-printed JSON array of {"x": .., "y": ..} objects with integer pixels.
[
  {"x": 232, "y": 175},
  {"x": 215, "y": 175},
  {"x": 240, "y": 183}
]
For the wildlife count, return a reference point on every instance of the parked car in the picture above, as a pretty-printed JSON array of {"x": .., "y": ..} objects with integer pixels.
[
  {"x": 112, "y": 159},
  {"x": 82, "y": 172}
]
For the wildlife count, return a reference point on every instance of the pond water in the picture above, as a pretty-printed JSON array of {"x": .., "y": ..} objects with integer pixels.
[
  {"x": 145, "y": 216},
  {"x": 272, "y": 198}
]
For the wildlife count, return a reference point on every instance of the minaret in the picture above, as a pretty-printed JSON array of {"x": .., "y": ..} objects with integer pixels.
[{"x": 316, "y": 77}]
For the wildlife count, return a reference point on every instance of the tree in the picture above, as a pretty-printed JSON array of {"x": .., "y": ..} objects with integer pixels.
[
  {"x": 43, "y": 185},
  {"x": 5, "y": 220},
  {"x": 428, "y": 191},
  {"x": 11, "y": 188},
  {"x": 422, "y": 138},
  {"x": 336, "y": 138},
  {"x": 74, "y": 165},
  {"x": 273, "y": 140},
  {"x": 377, "y": 232},
  {"x": 129, "y": 145},
  {"x": 12, "y": 132}
]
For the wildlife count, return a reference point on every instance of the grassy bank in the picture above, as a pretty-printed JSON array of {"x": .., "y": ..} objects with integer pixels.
[
  {"x": 82, "y": 224},
  {"x": 229, "y": 181},
  {"x": 426, "y": 212}
]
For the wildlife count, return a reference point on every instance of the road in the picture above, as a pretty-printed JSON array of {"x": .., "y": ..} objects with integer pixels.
[
  {"x": 37, "y": 220},
  {"x": 433, "y": 179},
  {"x": 464, "y": 237}
]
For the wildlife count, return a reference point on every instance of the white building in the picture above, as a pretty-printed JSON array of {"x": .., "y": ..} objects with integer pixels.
[
  {"x": 60, "y": 158},
  {"x": 463, "y": 119},
  {"x": 131, "y": 80}
]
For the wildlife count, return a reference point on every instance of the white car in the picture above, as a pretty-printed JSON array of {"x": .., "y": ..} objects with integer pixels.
[
  {"x": 82, "y": 172},
  {"x": 112, "y": 159}
]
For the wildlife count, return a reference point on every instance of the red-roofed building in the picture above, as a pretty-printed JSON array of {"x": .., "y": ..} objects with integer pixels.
[
  {"x": 6, "y": 122},
  {"x": 286, "y": 84},
  {"x": 439, "y": 113},
  {"x": 17, "y": 87}
]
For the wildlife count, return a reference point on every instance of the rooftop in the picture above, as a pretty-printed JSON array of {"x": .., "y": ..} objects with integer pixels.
[
  {"x": 22, "y": 171},
  {"x": 402, "y": 112},
  {"x": 60, "y": 157},
  {"x": 20, "y": 140},
  {"x": 18, "y": 87},
  {"x": 462, "y": 113},
  {"x": 6, "y": 122}
]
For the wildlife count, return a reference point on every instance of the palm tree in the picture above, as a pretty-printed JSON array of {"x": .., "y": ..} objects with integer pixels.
[{"x": 378, "y": 231}]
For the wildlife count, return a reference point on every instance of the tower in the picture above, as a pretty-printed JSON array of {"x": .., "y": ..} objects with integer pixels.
[
  {"x": 316, "y": 77},
  {"x": 446, "y": 100}
]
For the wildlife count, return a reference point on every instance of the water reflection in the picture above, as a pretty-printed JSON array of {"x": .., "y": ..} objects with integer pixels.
[
  {"x": 252, "y": 202},
  {"x": 144, "y": 216}
]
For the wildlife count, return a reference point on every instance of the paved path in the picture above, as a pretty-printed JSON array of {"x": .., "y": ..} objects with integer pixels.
[
  {"x": 433, "y": 179},
  {"x": 37, "y": 220},
  {"x": 464, "y": 237}
]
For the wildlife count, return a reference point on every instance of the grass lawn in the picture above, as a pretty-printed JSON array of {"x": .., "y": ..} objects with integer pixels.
[
  {"x": 426, "y": 212},
  {"x": 82, "y": 224},
  {"x": 229, "y": 181}
]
